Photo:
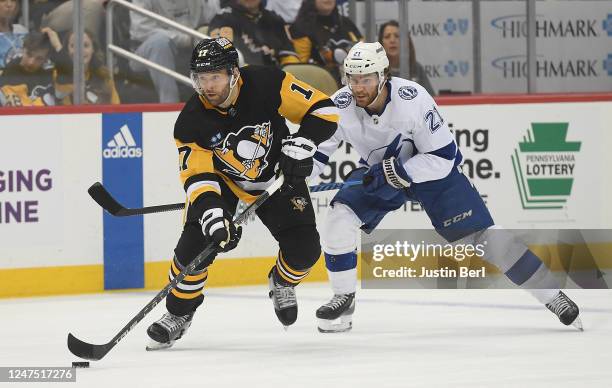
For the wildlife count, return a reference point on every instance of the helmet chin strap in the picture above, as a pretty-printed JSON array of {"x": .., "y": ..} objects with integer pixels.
[
  {"x": 381, "y": 85},
  {"x": 378, "y": 94},
  {"x": 230, "y": 96}
]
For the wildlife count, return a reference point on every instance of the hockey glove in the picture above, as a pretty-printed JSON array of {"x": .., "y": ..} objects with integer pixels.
[
  {"x": 386, "y": 179},
  {"x": 217, "y": 225},
  {"x": 295, "y": 161}
]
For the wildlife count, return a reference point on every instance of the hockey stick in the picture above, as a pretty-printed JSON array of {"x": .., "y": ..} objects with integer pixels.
[
  {"x": 110, "y": 204},
  {"x": 99, "y": 194},
  {"x": 96, "y": 352},
  {"x": 332, "y": 186}
]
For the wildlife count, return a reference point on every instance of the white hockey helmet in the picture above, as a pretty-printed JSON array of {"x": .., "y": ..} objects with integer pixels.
[{"x": 366, "y": 58}]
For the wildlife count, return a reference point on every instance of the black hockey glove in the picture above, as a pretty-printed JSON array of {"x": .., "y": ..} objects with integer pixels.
[
  {"x": 217, "y": 225},
  {"x": 295, "y": 161}
]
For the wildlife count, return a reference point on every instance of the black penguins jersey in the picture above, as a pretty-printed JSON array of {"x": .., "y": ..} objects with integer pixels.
[{"x": 241, "y": 145}]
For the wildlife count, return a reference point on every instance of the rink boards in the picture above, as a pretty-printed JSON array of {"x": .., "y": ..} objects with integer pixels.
[{"x": 539, "y": 162}]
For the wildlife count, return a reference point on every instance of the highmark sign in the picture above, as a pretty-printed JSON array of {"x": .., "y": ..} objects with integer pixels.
[{"x": 544, "y": 166}]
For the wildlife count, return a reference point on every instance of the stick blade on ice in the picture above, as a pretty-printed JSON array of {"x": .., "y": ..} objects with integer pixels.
[{"x": 86, "y": 350}]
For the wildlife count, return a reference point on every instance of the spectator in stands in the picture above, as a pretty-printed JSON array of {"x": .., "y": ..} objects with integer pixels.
[
  {"x": 25, "y": 80},
  {"x": 322, "y": 36},
  {"x": 286, "y": 9},
  {"x": 165, "y": 45},
  {"x": 60, "y": 18},
  {"x": 99, "y": 86},
  {"x": 389, "y": 37},
  {"x": 259, "y": 34},
  {"x": 11, "y": 35}
]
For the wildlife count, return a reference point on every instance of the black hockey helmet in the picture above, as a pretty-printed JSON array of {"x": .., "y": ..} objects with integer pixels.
[{"x": 213, "y": 54}]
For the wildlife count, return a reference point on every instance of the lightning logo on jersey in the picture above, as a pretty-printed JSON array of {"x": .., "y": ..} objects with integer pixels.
[{"x": 409, "y": 128}]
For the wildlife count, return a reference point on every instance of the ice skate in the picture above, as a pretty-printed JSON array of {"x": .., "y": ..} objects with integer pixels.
[
  {"x": 169, "y": 328},
  {"x": 336, "y": 316},
  {"x": 284, "y": 299},
  {"x": 566, "y": 310}
]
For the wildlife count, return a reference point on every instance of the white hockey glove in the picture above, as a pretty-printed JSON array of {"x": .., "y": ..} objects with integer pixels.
[
  {"x": 386, "y": 178},
  {"x": 298, "y": 148},
  {"x": 217, "y": 225}
]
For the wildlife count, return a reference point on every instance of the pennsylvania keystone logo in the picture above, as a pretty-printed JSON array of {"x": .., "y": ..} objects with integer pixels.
[{"x": 544, "y": 166}]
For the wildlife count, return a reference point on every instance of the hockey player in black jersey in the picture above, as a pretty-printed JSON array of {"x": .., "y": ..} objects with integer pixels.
[{"x": 231, "y": 137}]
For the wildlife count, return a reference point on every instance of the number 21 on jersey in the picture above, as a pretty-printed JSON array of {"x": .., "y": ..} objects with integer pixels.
[{"x": 433, "y": 119}]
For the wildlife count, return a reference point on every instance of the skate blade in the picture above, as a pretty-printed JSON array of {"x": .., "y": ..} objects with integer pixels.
[
  {"x": 154, "y": 345},
  {"x": 578, "y": 324},
  {"x": 333, "y": 326}
]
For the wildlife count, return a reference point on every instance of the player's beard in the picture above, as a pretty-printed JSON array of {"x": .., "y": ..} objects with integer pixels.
[
  {"x": 364, "y": 98},
  {"x": 216, "y": 98}
]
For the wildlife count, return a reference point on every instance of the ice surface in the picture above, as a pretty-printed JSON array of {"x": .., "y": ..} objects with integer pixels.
[{"x": 400, "y": 338}]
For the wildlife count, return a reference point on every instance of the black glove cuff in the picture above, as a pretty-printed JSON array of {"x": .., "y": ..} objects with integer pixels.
[
  {"x": 205, "y": 201},
  {"x": 293, "y": 168}
]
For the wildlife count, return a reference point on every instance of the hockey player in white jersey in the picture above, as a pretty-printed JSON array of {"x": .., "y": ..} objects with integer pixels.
[{"x": 408, "y": 154}]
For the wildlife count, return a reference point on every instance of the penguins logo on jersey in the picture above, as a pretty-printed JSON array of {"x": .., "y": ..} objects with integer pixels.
[
  {"x": 299, "y": 203},
  {"x": 407, "y": 92},
  {"x": 343, "y": 100},
  {"x": 244, "y": 153}
]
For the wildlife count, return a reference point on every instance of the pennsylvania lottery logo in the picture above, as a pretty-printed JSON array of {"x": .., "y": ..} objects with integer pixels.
[
  {"x": 544, "y": 166},
  {"x": 122, "y": 145}
]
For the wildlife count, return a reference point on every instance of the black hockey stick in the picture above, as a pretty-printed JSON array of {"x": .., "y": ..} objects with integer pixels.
[
  {"x": 108, "y": 203},
  {"x": 96, "y": 352},
  {"x": 99, "y": 194}
]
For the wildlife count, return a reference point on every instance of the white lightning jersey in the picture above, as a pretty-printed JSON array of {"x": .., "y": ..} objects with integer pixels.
[{"x": 410, "y": 128}]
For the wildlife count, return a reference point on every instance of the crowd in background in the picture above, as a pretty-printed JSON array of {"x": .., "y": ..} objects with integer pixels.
[{"x": 36, "y": 64}]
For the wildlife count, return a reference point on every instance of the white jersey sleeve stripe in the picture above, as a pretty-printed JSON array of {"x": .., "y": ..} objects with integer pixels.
[{"x": 196, "y": 185}]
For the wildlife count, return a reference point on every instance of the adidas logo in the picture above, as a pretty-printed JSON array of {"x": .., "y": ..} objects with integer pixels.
[{"x": 123, "y": 145}]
